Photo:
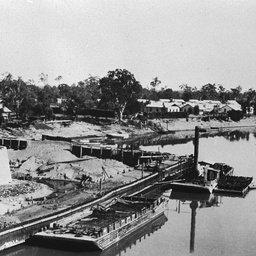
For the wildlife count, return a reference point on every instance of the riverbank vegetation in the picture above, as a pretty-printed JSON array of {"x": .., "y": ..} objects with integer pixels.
[{"x": 116, "y": 94}]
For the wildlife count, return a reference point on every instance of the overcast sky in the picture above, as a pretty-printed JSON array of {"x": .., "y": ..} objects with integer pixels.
[{"x": 192, "y": 42}]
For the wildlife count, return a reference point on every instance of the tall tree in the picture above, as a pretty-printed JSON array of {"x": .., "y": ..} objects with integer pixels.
[
  {"x": 64, "y": 90},
  {"x": 155, "y": 82},
  {"x": 92, "y": 90},
  {"x": 43, "y": 78},
  {"x": 76, "y": 100},
  {"x": 166, "y": 94},
  {"x": 222, "y": 93},
  {"x": 209, "y": 92},
  {"x": 118, "y": 88},
  {"x": 236, "y": 92},
  {"x": 187, "y": 92}
]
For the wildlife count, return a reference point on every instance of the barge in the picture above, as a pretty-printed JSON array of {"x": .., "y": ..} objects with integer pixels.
[
  {"x": 104, "y": 226},
  {"x": 206, "y": 181},
  {"x": 237, "y": 185}
]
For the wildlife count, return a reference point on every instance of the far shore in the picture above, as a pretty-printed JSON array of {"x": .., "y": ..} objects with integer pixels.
[{"x": 84, "y": 129}]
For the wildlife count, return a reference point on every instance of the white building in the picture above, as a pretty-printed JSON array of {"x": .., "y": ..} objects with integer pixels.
[
  {"x": 155, "y": 107},
  {"x": 171, "y": 107},
  {"x": 161, "y": 107}
]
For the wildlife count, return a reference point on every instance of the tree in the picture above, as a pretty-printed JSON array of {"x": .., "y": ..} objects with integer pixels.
[
  {"x": 236, "y": 92},
  {"x": 75, "y": 102},
  {"x": 92, "y": 91},
  {"x": 46, "y": 95},
  {"x": 28, "y": 100},
  {"x": 118, "y": 88},
  {"x": 222, "y": 93},
  {"x": 58, "y": 78},
  {"x": 187, "y": 92},
  {"x": 196, "y": 110},
  {"x": 64, "y": 90},
  {"x": 43, "y": 78},
  {"x": 209, "y": 92},
  {"x": 166, "y": 94},
  {"x": 155, "y": 82}
]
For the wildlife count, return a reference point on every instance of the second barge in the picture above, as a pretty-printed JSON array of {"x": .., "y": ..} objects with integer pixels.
[{"x": 105, "y": 226}]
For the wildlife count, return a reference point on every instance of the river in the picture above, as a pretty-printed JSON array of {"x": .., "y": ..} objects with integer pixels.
[{"x": 212, "y": 225}]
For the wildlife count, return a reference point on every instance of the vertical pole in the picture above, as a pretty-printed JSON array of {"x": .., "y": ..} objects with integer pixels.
[
  {"x": 196, "y": 147},
  {"x": 193, "y": 206},
  {"x": 100, "y": 185},
  {"x": 142, "y": 170},
  {"x": 206, "y": 173}
]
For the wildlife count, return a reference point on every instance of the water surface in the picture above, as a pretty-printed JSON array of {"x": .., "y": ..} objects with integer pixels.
[{"x": 215, "y": 225}]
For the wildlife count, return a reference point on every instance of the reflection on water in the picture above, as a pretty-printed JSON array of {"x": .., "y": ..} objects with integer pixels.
[
  {"x": 185, "y": 137},
  {"x": 195, "y": 201},
  {"x": 218, "y": 228}
]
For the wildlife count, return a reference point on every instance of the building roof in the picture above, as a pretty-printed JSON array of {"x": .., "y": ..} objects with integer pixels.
[
  {"x": 155, "y": 104},
  {"x": 7, "y": 110},
  {"x": 233, "y": 106},
  {"x": 164, "y": 100},
  {"x": 143, "y": 100},
  {"x": 191, "y": 104},
  {"x": 171, "y": 105},
  {"x": 178, "y": 100}
]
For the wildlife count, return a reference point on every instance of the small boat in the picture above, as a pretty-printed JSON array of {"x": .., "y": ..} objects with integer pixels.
[
  {"x": 104, "y": 227},
  {"x": 118, "y": 135}
]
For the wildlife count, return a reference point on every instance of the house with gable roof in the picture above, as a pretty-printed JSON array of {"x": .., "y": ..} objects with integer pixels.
[
  {"x": 4, "y": 111},
  {"x": 162, "y": 106},
  {"x": 229, "y": 107},
  {"x": 155, "y": 107}
]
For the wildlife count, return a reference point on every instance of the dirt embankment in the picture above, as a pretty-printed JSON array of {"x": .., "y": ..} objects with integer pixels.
[{"x": 49, "y": 156}]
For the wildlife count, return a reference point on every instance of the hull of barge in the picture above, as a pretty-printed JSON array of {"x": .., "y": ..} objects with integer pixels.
[{"x": 89, "y": 243}]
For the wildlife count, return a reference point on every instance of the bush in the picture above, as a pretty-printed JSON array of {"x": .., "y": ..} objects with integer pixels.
[{"x": 235, "y": 115}]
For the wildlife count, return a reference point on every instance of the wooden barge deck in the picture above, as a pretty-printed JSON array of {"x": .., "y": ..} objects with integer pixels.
[{"x": 105, "y": 226}]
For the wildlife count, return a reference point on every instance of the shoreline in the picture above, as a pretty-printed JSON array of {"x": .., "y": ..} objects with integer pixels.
[{"x": 43, "y": 152}]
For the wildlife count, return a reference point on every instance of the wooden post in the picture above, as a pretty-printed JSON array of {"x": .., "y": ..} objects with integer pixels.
[
  {"x": 100, "y": 185},
  {"x": 193, "y": 206},
  {"x": 196, "y": 148}
]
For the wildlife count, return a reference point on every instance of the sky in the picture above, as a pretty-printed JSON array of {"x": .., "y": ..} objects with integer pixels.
[{"x": 191, "y": 42}]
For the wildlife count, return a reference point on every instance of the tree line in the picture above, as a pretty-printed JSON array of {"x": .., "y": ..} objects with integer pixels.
[{"x": 118, "y": 91}]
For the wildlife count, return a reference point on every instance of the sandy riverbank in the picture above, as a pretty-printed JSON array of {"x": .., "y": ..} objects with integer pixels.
[
  {"x": 40, "y": 153},
  {"x": 184, "y": 124}
]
